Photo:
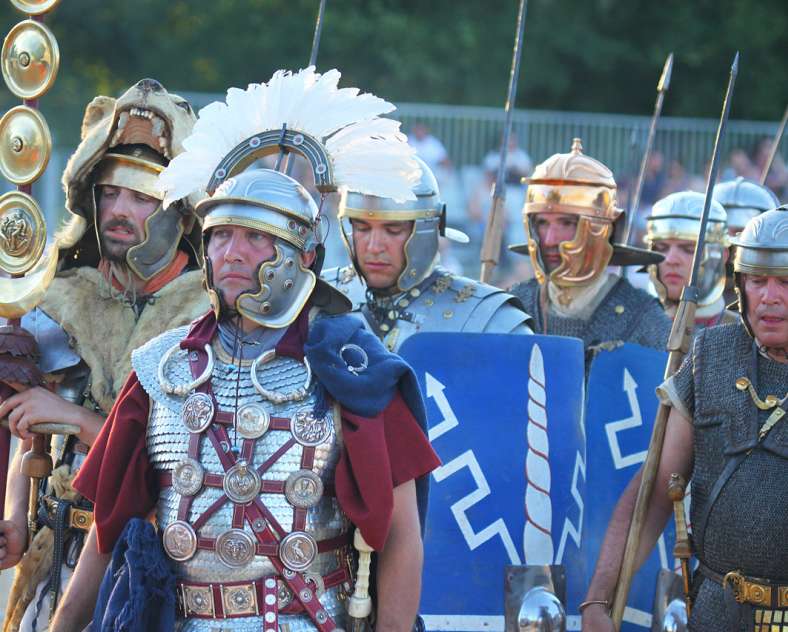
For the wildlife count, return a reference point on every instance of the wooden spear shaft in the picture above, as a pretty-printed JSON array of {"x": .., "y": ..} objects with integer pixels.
[
  {"x": 678, "y": 345},
  {"x": 775, "y": 145}
]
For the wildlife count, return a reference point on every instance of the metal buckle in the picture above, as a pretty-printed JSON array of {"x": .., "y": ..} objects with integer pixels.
[
  {"x": 240, "y": 600},
  {"x": 746, "y": 591},
  {"x": 736, "y": 580},
  {"x": 81, "y": 519}
]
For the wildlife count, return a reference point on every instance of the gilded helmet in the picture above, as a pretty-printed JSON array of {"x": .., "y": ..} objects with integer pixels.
[
  {"x": 579, "y": 185},
  {"x": 127, "y": 142},
  {"x": 743, "y": 200},
  {"x": 760, "y": 249},
  {"x": 678, "y": 216},
  {"x": 427, "y": 212}
]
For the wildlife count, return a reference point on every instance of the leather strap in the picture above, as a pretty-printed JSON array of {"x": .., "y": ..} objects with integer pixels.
[{"x": 699, "y": 527}]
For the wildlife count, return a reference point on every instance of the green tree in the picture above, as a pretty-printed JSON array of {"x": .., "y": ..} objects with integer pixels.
[{"x": 598, "y": 55}]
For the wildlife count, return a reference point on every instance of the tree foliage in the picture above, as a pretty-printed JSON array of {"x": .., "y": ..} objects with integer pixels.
[{"x": 597, "y": 55}]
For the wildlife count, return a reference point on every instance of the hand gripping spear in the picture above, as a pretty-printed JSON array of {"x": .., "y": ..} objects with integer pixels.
[
  {"x": 678, "y": 345},
  {"x": 775, "y": 145},
  {"x": 662, "y": 88},
  {"x": 493, "y": 232}
]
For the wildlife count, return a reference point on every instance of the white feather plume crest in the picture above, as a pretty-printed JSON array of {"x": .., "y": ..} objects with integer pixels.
[{"x": 368, "y": 153}]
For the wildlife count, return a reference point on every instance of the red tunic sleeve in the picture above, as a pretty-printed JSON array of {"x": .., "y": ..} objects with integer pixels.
[
  {"x": 117, "y": 475},
  {"x": 380, "y": 454}
]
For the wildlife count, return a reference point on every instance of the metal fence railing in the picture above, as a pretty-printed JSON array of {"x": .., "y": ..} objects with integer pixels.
[{"x": 469, "y": 133}]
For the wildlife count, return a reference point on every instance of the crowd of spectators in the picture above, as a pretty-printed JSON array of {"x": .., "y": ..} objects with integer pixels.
[{"x": 467, "y": 190}]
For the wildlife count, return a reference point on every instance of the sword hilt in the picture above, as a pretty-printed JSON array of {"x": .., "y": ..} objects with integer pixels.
[
  {"x": 676, "y": 491},
  {"x": 360, "y": 603}
]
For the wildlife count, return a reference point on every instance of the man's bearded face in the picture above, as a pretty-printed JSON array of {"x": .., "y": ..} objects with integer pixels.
[{"x": 121, "y": 216}]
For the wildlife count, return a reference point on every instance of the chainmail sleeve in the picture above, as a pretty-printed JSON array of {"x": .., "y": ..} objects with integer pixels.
[{"x": 678, "y": 390}]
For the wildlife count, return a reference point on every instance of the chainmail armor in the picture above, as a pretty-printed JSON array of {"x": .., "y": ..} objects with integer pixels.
[
  {"x": 746, "y": 525},
  {"x": 626, "y": 314},
  {"x": 167, "y": 444}
]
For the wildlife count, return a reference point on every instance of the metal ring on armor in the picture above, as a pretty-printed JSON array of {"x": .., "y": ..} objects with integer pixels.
[
  {"x": 284, "y": 595},
  {"x": 364, "y": 360},
  {"x": 308, "y": 430},
  {"x": 187, "y": 477},
  {"x": 235, "y": 548},
  {"x": 317, "y": 581},
  {"x": 252, "y": 421},
  {"x": 298, "y": 550},
  {"x": 197, "y": 412},
  {"x": 179, "y": 540},
  {"x": 275, "y": 396},
  {"x": 303, "y": 489},
  {"x": 242, "y": 483},
  {"x": 181, "y": 390}
]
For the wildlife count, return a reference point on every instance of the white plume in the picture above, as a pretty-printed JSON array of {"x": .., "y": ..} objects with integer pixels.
[{"x": 368, "y": 153}]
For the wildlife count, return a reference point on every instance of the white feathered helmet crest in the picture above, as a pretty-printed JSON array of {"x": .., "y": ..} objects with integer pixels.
[{"x": 338, "y": 131}]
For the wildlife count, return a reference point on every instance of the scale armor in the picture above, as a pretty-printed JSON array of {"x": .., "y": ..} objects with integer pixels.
[
  {"x": 442, "y": 302},
  {"x": 167, "y": 444},
  {"x": 745, "y": 530},
  {"x": 626, "y": 314}
]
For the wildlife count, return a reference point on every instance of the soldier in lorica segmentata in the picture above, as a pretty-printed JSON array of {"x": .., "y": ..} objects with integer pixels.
[{"x": 395, "y": 280}]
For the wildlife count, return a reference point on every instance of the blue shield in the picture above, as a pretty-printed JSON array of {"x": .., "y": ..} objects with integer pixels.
[
  {"x": 619, "y": 418},
  {"x": 505, "y": 417}
]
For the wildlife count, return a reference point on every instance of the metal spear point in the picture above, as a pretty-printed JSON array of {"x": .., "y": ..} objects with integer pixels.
[
  {"x": 283, "y": 161},
  {"x": 678, "y": 345},
  {"x": 775, "y": 144},
  {"x": 662, "y": 87},
  {"x": 493, "y": 231},
  {"x": 318, "y": 31}
]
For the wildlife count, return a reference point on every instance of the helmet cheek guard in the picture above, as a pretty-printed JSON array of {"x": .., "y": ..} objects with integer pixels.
[
  {"x": 284, "y": 285},
  {"x": 427, "y": 213},
  {"x": 678, "y": 216}
]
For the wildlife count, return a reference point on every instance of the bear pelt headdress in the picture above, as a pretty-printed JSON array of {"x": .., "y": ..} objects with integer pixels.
[{"x": 146, "y": 114}]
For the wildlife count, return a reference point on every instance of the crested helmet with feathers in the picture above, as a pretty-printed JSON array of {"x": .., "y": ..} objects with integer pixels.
[
  {"x": 678, "y": 216},
  {"x": 338, "y": 131},
  {"x": 581, "y": 186},
  {"x": 427, "y": 213},
  {"x": 127, "y": 142},
  {"x": 760, "y": 249}
]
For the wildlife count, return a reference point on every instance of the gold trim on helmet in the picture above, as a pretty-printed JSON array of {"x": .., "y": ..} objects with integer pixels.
[
  {"x": 130, "y": 172},
  {"x": 204, "y": 206},
  {"x": 394, "y": 215},
  {"x": 212, "y": 221},
  {"x": 578, "y": 185}
]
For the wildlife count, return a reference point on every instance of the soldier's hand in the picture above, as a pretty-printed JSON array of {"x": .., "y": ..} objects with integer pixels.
[
  {"x": 37, "y": 405},
  {"x": 596, "y": 619},
  {"x": 13, "y": 542}
]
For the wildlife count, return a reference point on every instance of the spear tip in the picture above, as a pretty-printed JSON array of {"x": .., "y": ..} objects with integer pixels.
[
  {"x": 735, "y": 64},
  {"x": 667, "y": 71}
]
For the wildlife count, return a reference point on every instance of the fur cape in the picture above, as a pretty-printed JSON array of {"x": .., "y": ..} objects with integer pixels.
[{"x": 104, "y": 330}]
